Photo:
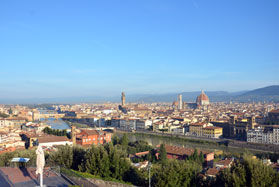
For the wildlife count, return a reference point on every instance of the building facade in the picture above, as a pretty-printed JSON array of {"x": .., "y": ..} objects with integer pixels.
[
  {"x": 268, "y": 135},
  {"x": 89, "y": 137}
]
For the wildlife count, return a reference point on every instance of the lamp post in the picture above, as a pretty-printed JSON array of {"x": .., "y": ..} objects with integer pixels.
[{"x": 149, "y": 168}]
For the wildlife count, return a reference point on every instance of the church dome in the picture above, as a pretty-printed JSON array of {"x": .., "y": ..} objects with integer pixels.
[{"x": 202, "y": 99}]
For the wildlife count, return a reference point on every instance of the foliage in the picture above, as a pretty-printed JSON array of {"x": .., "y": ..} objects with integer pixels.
[
  {"x": 162, "y": 153},
  {"x": 199, "y": 158},
  {"x": 55, "y": 132},
  {"x": 78, "y": 157},
  {"x": 124, "y": 141},
  {"x": 115, "y": 140},
  {"x": 248, "y": 172},
  {"x": 62, "y": 157},
  {"x": 2, "y": 115},
  {"x": 5, "y": 158},
  {"x": 10, "y": 111},
  {"x": 175, "y": 173},
  {"x": 138, "y": 146}
]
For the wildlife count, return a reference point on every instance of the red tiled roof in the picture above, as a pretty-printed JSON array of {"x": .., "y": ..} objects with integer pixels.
[
  {"x": 46, "y": 139},
  {"x": 212, "y": 171},
  {"x": 91, "y": 132},
  {"x": 142, "y": 153},
  {"x": 211, "y": 127},
  {"x": 225, "y": 162},
  {"x": 202, "y": 97}
]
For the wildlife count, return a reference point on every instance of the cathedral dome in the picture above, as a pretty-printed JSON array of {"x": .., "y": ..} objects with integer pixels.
[{"x": 202, "y": 99}]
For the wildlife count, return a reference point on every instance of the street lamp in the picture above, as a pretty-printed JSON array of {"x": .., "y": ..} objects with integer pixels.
[{"x": 149, "y": 168}]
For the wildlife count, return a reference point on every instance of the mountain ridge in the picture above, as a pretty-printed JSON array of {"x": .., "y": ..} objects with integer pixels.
[{"x": 268, "y": 93}]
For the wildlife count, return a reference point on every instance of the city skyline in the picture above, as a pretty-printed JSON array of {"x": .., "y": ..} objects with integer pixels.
[{"x": 68, "y": 49}]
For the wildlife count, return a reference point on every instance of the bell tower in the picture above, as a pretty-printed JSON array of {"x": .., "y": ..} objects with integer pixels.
[{"x": 74, "y": 138}]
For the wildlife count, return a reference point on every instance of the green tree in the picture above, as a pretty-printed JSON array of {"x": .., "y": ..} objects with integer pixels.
[
  {"x": 78, "y": 157},
  {"x": 124, "y": 141},
  {"x": 2, "y": 115},
  {"x": 63, "y": 156},
  {"x": 175, "y": 173},
  {"x": 162, "y": 153},
  {"x": 248, "y": 172}
]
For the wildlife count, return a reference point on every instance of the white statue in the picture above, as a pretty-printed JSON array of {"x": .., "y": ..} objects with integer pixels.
[{"x": 40, "y": 163}]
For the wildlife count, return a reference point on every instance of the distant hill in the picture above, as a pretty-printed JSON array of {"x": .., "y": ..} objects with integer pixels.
[
  {"x": 269, "y": 94},
  {"x": 266, "y": 91}
]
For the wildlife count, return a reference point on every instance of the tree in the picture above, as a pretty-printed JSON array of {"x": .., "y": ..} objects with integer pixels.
[
  {"x": 124, "y": 141},
  {"x": 175, "y": 173},
  {"x": 10, "y": 111},
  {"x": 63, "y": 156},
  {"x": 162, "y": 153},
  {"x": 115, "y": 140},
  {"x": 78, "y": 157},
  {"x": 2, "y": 115},
  {"x": 248, "y": 172}
]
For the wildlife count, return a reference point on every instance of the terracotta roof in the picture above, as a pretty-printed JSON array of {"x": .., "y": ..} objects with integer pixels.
[
  {"x": 142, "y": 153},
  {"x": 211, "y": 127},
  {"x": 202, "y": 97},
  {"x": 212, "y": 171},
  {"x": 90, "y": 132},
  {"x": 225, "y": 162},
  {"x": 46, "y": 139}
]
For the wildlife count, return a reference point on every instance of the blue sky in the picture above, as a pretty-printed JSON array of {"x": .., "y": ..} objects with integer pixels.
[{"x": 90, "y": 48}]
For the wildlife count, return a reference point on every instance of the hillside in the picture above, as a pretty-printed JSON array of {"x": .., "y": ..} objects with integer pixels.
[
  {"x": 267, "y": 94},
  {"x": 266, "y": 91}
]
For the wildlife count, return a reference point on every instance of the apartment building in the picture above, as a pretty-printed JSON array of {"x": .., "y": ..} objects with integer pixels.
[
  {"x": 264, "y": 135},
  {"x": 212, "y": 132},
  {"x": 89, "y": 137}
]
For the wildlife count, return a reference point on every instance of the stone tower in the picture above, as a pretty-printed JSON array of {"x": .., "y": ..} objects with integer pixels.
[
  {"x": 252, "y": 121},
  {"x": 123, "y": 99},
  {"x": 74, "y": 138},
  {"x": 180, "y": 102}
]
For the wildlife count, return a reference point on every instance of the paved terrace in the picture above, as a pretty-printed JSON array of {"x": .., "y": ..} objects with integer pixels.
[{"x": 21, "y": 177}]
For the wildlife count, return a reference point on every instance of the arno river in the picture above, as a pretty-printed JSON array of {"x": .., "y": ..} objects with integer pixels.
[
  {"x": 155, "y": 140},
  {"x": 54, "y": 123}
]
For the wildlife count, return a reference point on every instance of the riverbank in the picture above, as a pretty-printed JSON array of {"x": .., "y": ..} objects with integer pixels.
[{"x": 216, "y": 145}]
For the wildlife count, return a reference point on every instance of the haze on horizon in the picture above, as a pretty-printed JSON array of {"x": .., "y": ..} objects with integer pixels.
[{"x": 100, "y": 48}]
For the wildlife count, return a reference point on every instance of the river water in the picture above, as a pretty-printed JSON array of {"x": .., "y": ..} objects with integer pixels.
[{"x": 54, "y": 123}]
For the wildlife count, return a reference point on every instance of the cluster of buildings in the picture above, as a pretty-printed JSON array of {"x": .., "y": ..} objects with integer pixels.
[
  {"x": 201, "y": 118},
  {"x": 252, "y": 122}
]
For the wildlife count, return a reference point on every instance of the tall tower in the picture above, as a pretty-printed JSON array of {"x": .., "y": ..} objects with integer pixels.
[
  {"x": 180, "y": 102},
  {"x": 74, "y": 138},
  {"x": 123, "y": 98}
]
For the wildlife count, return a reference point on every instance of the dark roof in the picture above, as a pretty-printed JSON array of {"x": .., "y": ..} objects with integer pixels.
[{"x": 274, "y": 111}]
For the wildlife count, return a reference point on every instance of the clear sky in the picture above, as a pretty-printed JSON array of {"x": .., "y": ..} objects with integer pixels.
[{"x": 55, "y": 48}]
